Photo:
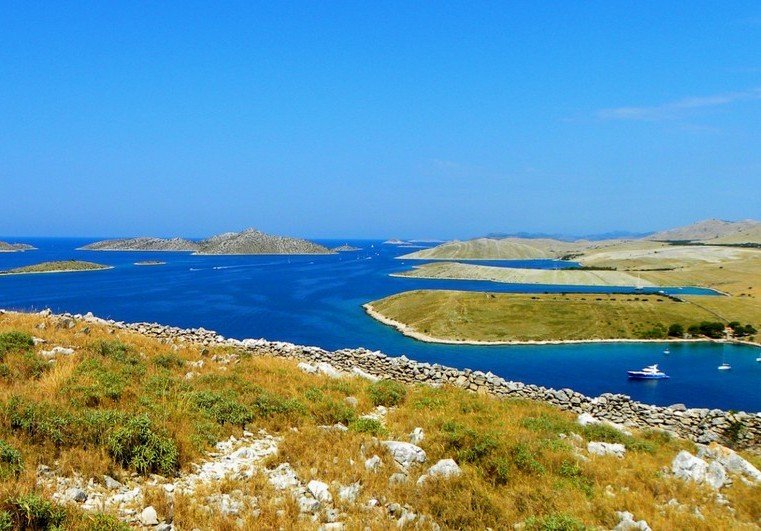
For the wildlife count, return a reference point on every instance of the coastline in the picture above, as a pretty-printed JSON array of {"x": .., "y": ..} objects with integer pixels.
[
  {"x": 497, "y": 281},
  {"x": 9, "y": 274},
  {"x": 419, "y": 336}
]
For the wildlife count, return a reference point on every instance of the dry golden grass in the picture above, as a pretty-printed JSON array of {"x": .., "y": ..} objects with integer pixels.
[{"x": 515, "y": 464}]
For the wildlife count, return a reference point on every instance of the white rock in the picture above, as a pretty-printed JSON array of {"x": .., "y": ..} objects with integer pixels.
[
  {"x": 373, "y": 464},
  {"x": 328, "y": 370},
  {"x": 149, "y": 516},
  {"x": 417, "y": 436},
  {"x": 76, "y": 494},
  {"x": 731, "y": 461},
  {"x": 627, "y": 523},
  {"x": 445, "y": 468},
  {"x": 320, "y": 491},
  {"x": 397, "y": 478},
  {"x": 362, "y": 374},
  {"x": 307, "y": 368},
  {"x": 283, "y": 477},
  {"x": 350, "y": 493},
  {"x": 405, "y": 453},
  {"x": 603, "y": 448},
  {"x": 38, "y": 341},
  {"x": 307, "y": 504},
  {"x": 111, "y": 483},
  {"x": 585, "y": 419},
  {"x": 716, "y": 475},
  {"x": 687, "y": 467},
  {"x": 351, "y": 401}
]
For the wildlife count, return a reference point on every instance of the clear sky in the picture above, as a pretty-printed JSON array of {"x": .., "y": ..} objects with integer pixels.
[{"x": 377, "y": 119}]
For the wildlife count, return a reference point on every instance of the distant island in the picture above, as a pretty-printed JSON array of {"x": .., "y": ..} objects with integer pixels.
[
  {"x": 481, "y": 248},
  {"x": 142, "y": 244},
  {"x": 249, "y": 241},
  {"x": 252, "y": 241},
  {"x": 6, "y": 247},
  {"x": 346, "y": 248},
  {"x": 61, "y": 266},
  {"x": 150, "y": 263},
  {"x": 394, "y": 241}
]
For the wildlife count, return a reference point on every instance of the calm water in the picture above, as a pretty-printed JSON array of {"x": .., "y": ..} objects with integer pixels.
[{"x": 316, "y": 300}]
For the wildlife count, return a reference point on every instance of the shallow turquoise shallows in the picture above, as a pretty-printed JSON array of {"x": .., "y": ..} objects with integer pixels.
[{"x": 316, "y": 300}]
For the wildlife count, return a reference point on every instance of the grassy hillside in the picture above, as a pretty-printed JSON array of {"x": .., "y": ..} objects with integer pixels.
[
  {"x": 568, "y": 277},
  {"x": 128, "y": 406},
  {"x": 60, "y": 266},
  {"x": 472, "y": 316}
]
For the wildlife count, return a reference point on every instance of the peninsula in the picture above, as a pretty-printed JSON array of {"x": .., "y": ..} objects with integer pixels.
[
  {"x": 61, "y": 266},
  {"x": 6, "y": 247}
]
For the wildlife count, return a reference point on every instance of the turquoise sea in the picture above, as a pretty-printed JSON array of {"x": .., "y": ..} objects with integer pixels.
[{"x": 316, "y": 300}]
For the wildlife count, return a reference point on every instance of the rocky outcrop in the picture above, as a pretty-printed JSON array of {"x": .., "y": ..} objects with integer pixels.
[
  {"x": 346, "y": 248},
  {"x": 252, "y": 241},
  {"x": 6, "y": 247},
  {"x": 142, "y": 244},
  {"x": 701, "y": 425}
]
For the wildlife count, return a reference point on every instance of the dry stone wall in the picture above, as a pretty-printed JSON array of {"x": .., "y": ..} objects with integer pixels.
[{"x": 702, "y": 425}]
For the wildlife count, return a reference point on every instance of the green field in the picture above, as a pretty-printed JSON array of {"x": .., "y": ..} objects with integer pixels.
[{"x": 469, "y": 316}]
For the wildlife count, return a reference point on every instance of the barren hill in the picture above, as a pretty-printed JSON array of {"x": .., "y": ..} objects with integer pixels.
[
  {"x": 481, "y": 249},
  {"x": 252, "y": 241},
  {"x": 714, "y": 231}
]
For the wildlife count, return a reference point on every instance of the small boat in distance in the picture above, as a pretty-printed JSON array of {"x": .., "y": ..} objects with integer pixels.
[
  {"x": 758, "y": 359},
  {"x": 650, "y": 372},
  {"x": 724, "y": 366},
  {"x": 667, "y": 351}
]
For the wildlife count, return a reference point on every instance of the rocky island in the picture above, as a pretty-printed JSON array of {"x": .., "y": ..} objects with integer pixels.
[
  {"x": 346, "y": 248},
  {"x": 142, "y": 244},
  {"x": 6, "y": 247},
  {"x": 61, "y": 266},
  {"x": 252, "y": 241},
  {"x": 249, "y": 241}
]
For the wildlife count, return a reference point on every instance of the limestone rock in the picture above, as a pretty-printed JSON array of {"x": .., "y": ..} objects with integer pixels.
[
  {"x": 320, "y": 491},
  {"x": 627, "y": 523},
  {"x": 149, "y": 517},
  {"x": 406, "y": 454},
  {"x": 417, "y": 436},
  {"x": 603, "y": 448}
]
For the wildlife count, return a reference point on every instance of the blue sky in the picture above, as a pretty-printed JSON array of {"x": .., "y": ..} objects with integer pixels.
[{"x": 377, "y": 119}]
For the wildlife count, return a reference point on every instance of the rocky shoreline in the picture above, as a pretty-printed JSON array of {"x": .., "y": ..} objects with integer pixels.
[{"x": 701, "y": 425}]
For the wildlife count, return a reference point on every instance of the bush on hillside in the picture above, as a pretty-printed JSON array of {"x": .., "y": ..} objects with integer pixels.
[
  {"x": 32, "y": 511},
  {"x": 11, "y": 462},
  {"x": 15, "y": 342},
  {"x": 387, "y": 393},
  {"x": 137, "y": 445},
  {"x": 223, "y": 408},
  {"x": 676, "y": 330}
]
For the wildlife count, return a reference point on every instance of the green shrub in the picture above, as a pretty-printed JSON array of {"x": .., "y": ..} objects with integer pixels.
[
  {"x": 330, "y": 411},
  {"x": 11, "y": 462},
  {"x": 105, "y": 522},
  {"x": 118, "y": 352},
  {"x": 676, "y": 330},
  {"x": 32, "y": 511},
  {"x": 15, "y": 342},
  {"x": 136, "y": 445},
  {"x": 222, "y": 407},
  {"x": 548, "y": 424},
  {"x": 6, "y": 521},
  {"x": 387, "y": 393},
  {"x": 267, "y": 405},
  {"x": 525, "y": 459},
  {"x": 365, "y": 425},
  {"x": 554, "y": 522},
  {"x": 168, "y": 361},
  {"x": 92, "y": 384}
]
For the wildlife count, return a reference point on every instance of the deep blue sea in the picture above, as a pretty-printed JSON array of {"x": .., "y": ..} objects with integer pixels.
[{"x": 316, "y": 300}]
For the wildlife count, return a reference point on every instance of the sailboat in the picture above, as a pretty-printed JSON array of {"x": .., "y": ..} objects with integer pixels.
[
  {"x": 724, "y": 366},
  {"x": 667, "y": 351}
]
